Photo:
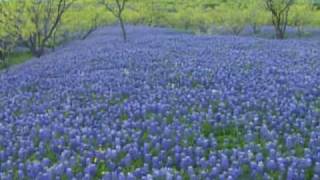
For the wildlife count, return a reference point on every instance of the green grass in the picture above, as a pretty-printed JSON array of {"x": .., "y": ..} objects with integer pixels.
[
  {"x": 245, "y": 168},
  {"x": 32, "y": 158},
  {"x": 184, "y": 175},
  {"x": 191, "y": 140},
  {"x": 15, "y": 173},
  {"x": 299, "y": 151},
  {"x": 275, "y": 175},
  {"x": 64, "y": 177},
  {"x": 36, "y": 141},
  {"x": 118, "y": 100},
  {"x": 16, "y": 58},
  {"x": 124, "y": 116},
  {"x": 52, "y": 156},
  {"x": 170, "y": 119},
  {"x": 138, "y": 163},
  {"x": 309, "y": 173},
  {"x": 120, "y": 156},
  {"x": 149, "y": 116},
  {"x": 154, "y": 152},
  {"x": 317, "y": 105},
  {"x": 145, "y": 136},
  {"x": 77, "y": 168},
  {"x": 102, "y": 169},
  {"x": 227, "y": 137},
  {"x": 206, "y": 129}
]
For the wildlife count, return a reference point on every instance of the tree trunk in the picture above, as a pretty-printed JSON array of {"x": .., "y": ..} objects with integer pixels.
[
  {"x": 37, "y": 52},
  {"x": 34, "y": 48},
  {"x": 279, "y": 32},
  {"x": 123, "y": 29},
  {"x": 255, "y": 28},
  {"x": 2, "y": 57}
]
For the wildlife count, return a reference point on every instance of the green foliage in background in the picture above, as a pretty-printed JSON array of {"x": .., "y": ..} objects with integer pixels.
[
  {"x": 256, "y": 14},
  {"x": 233, "y": 16},
  {"x": 12, "y": 27},
  {"x": 301, "y": 15},
  {"x": 198, "y": 16},
  {"x": 83, "y": 17}
]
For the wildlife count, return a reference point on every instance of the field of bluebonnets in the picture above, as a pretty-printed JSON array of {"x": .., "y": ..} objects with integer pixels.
[{"x": 165, "y": 105}]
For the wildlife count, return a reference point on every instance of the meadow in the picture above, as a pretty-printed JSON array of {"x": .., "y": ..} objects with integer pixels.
[
  {"x": 191, "y": 100},
  {"x": 165, "y": 105}
]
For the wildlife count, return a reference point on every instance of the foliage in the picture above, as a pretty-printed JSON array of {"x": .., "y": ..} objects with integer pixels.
[
  {"x": 44, "y": 18},
  {"x": 256, "y": 14},
  {"x": 233, "y": 16},
  {"x": 32, "y": 23},
  {"x": 11, "y": 27},
  {"x": 84, "y": 17},
  {"x": 300, "y": 15},
  {"x": 148, "y": 12}
]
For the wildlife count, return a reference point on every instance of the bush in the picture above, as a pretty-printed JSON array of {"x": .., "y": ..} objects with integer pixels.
[
  {"x": 300, "y": 16},
  {"x": 233, "y": 17},
  {"x": 82, "y": 18},
  {"x": 256, "y": 15},
  {"x": 12, "y": 28}
]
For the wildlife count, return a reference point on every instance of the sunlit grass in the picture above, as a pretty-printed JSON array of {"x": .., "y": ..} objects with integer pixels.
[{"x": 16, "y": 58}]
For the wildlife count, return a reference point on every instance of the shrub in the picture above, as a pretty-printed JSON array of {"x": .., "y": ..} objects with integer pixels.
[
  {"x": 233, "y": 17},
  {"x": 300, "y": 16}
]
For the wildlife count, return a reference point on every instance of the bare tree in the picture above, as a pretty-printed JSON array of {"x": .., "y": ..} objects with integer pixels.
[
  {"x": 45, "y": 18},
  {"x": 116, "y": 8},
  {"x": 280, "y": 11}
]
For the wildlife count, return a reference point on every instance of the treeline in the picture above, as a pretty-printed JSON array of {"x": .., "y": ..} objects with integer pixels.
[{"x": 43, "y": 24}]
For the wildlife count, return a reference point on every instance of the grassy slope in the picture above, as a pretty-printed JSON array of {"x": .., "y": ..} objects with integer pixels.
[{"x": 17, "y": 58}]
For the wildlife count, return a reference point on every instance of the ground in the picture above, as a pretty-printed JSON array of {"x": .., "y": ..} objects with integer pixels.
[
  {"x": 164, "y": 104},
  {"x": 16, "y": 58}
]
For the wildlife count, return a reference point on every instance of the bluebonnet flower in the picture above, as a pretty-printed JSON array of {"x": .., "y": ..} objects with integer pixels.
[
  {"x": 103, "y": 109},
  {"x": 271, "y": 164},
  {"x": 317, "y": 168}
]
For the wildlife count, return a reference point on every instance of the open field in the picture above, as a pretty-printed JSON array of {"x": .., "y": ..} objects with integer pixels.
[{"x": 164, "y": 105}]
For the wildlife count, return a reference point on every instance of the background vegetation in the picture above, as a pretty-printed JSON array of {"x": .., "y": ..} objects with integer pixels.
[{"x": 40, "y": 26}]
